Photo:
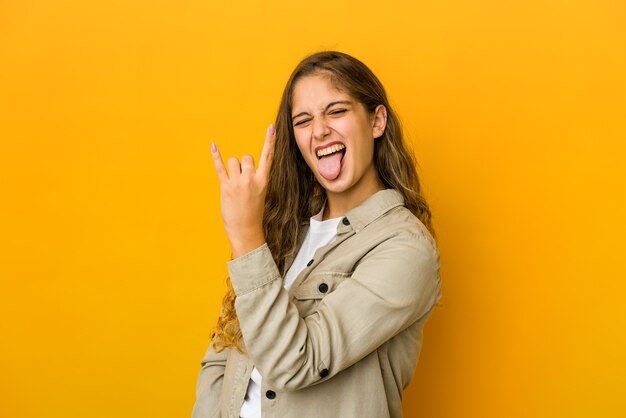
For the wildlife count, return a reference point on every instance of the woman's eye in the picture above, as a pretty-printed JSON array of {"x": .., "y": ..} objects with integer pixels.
[{"x": 334, "y": 112}]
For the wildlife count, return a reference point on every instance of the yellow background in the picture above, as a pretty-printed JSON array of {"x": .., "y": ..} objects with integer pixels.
[{"x": 112, "y": 257}]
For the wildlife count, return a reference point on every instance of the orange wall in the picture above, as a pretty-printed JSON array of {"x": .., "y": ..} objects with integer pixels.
[{"x": 112, "y": 258}]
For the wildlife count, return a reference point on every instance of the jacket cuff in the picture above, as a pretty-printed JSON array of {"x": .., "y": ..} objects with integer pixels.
[{"x": 252, "y": 270}]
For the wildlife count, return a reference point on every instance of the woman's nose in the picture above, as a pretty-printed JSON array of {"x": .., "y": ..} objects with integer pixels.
[{"x": 320, "y": 128}]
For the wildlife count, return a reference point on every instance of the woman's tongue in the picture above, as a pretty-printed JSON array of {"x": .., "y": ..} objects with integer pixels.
[{"x": 329, "y": 166}]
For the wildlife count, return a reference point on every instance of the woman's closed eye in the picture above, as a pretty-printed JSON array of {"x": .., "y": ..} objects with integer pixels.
[
  {"x": 301, "y": 122},
  {"x": 334, "y": 112}
]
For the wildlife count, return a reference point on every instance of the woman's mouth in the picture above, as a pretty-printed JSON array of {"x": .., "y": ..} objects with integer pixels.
[
  {"x": 330, "y": 158},
  {"x": 330, "y": 150}
]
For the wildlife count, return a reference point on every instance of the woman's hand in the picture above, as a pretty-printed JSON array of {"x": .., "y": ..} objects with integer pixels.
[{"x": 242, "y": 195}]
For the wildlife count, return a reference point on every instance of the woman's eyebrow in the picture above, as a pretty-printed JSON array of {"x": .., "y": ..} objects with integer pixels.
[{"x": 348, "y": 102}]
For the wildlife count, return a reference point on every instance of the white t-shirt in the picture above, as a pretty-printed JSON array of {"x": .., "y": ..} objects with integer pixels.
[{"x": 320, "y": 233}]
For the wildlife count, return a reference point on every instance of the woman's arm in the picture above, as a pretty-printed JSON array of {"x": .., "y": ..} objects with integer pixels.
[
  {"x": 242, "y": 193},
  {"x": 209, "y": 385},
  {"x": 396, "y": 284}
]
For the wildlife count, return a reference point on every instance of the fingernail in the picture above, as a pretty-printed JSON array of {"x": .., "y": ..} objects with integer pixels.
[
  {"x": 213, "y": 147},
  {"x": 272, "y": 130}
]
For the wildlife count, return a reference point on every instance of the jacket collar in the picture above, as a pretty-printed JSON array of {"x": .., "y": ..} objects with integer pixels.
[
  {"x": 358, "y": 217},
  {"x": 371, "y": 209}
]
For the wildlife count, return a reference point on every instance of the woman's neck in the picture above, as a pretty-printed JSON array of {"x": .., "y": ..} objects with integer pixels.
[{"x": 337, "y": 204}]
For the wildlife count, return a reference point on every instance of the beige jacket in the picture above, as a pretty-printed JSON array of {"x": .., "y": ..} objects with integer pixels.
[{"x": 344, "y": 341}]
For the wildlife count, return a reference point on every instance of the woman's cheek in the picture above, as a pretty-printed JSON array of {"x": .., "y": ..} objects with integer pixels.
[{"x": 303, "y": 146}]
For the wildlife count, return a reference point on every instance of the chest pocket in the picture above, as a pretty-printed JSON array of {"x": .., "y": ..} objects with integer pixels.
[{"x": 318, "y": 285}]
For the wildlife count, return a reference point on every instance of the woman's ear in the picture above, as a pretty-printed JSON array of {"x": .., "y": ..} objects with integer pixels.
[{"x": 379, "y": 121}]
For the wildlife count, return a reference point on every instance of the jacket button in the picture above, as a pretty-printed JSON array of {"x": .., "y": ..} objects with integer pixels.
[
  {"x": 345, "y": 221},
  {"x": 309, "y": 263},
  {"x": 270, "y": 394},
  {"x": 323, "y": 288},
  {"x": 324, "y": 373}
]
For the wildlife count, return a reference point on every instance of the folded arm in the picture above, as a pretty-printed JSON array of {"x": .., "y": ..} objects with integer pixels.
[{"x": 392, "y": 287}]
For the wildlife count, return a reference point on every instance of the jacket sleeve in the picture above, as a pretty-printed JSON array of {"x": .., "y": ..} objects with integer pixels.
[
  {"x": 209, "y": 385},
  {"x": 394, "y": 285}
]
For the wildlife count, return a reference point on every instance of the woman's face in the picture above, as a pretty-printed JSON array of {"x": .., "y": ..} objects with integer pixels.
[{"x": 335, "y": 135}]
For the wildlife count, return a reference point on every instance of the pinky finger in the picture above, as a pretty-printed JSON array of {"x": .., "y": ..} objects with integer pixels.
[{"x": 222, "y": 174}]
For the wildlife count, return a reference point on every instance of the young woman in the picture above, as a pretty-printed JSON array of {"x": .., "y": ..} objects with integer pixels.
[{"x": 335, "y": 268}]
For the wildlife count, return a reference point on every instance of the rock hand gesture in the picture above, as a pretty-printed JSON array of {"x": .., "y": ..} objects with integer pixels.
[{"x": 242, "y": 195}]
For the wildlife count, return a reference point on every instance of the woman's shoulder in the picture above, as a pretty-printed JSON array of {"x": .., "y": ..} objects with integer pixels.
[
  {"x": 383, "y": 221},
  {"x": 401, "y": 223}
]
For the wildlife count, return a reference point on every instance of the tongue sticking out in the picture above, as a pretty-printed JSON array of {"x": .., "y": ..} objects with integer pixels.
[{"x": 329, "y": 166}]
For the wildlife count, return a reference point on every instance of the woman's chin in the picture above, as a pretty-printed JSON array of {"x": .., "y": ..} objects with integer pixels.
[{"x": 338, "y": 185}]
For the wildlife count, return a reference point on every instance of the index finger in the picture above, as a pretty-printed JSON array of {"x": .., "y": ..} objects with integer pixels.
[{"x": 267, "y": 154}]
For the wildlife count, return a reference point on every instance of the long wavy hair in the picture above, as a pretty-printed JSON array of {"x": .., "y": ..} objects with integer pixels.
[{"x": 294, "y": 195}]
